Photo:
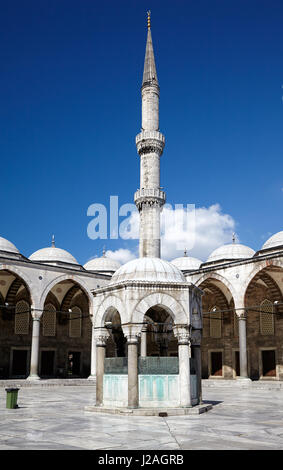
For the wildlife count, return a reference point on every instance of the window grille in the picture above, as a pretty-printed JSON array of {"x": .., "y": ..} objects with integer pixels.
[
  {"x": 215, "y": 323},
  {"x": 22, "y": 318},
  {"x": 49, "y": 320},
  {"x": 206, "y": 322},
  {"x": 266, "y": 318},
  {"x": 75, "y": 323}
]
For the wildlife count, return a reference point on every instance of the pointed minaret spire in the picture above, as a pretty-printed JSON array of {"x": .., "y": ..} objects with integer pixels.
[
  {"x": 149, "y": 70},
  {"x": 150, "y": 142}
]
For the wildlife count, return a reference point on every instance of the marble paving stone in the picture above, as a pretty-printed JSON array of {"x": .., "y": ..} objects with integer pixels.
[{"x": 54, "y": 418}]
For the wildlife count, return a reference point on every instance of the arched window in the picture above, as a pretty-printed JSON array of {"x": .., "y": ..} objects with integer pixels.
[
  {"x": 266, "y": 318},
  {"x": 22, "y": 313},
  {"x": 215, "y": 323},
  {"x": 75, "y": 323},
  {"x": 49, "y": 320},
  {"x": 206, "y": 325}
]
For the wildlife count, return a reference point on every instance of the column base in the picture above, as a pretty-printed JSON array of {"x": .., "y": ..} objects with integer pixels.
[
  {"x": 243, "y": 381},
  {"x": 161, "y": 412},
  {"x": 92, "y": 377},
  {"x": 31, "y": 378}
]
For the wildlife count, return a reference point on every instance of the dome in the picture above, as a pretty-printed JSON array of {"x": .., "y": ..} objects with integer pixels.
[
  {"x": 5, "y": 245},
  {"x": 102, "y": 264},
  {"x": 231, "y": 252},
  {"x": 274, "y": 241},
  {"x": 148, "y": 270},
  {"x": 53, "y": 255},
  {"x": 186, "y": 263}
]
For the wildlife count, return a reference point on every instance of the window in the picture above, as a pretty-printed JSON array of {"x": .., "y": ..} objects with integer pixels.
[
  {"x": 75, "y": 323},
  {"x": 22, "y": 318},
  {"x": 215, "y": 323},
  {"x": 266, "y": 318},
  {"x": 49, "y": 320}
]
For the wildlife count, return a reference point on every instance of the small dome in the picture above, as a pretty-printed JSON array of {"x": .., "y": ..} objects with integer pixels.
[
  {"x": 231, "y": 252},
  {"x": 53, "y": 255},
  {"x": 149, "y": 270},
  {"x": 274, "y": 241},
  {"x": 5, "y": 245},
  {"x": 102, "y": 264},
  {"x": 186, "y": 263}
]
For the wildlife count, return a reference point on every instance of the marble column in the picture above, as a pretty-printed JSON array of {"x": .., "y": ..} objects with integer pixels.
[
  {"x": 100, "y": 356},
  {"x": 143, "y": 342},
  {"x": 184, "y": 350},
  {"x": 197, "y": 353},
  {"x": 34, "y": 360},
  {"x": 93, "y": 357},
  {"x": 242, "y": 318},
  {"x": 133, "y": 378}
]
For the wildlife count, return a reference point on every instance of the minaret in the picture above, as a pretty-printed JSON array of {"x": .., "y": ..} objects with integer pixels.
[{"x": 149, "y": 199}]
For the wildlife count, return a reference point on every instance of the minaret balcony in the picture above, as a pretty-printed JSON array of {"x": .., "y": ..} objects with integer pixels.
[
  {"x": 150, "y": 141},
  {"x": 149, "y": 196}
]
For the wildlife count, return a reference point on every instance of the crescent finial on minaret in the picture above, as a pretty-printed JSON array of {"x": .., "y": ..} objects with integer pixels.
[{"x": 148, "y": 19}]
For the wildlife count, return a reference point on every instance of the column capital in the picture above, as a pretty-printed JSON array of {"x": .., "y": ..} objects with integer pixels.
[
  {"x": 132, "y": 332},
  {"x": 36, "y": 315},
  {"x": 241, "y": 314},
  {"x": 182, "y": 333},
  {"x": 101, "y": 336},
  {"x": 132, "y": 339}
]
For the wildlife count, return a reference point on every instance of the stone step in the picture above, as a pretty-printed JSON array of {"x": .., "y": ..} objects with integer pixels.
[
  {"x": 244, "y": 383},
  {"x": 46, "y": 383}
]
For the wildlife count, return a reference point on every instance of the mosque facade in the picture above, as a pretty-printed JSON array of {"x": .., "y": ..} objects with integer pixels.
[{"x": 223, "y": 317}]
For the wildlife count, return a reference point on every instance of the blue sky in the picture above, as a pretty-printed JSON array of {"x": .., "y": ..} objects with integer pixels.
[{"x": 71, "y": 73}]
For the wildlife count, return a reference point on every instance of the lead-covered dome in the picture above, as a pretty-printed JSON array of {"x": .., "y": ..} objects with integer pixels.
[
  {"x": 186, "y": 263},
  {"x": 53, "y": 255},
  {"x": 148, "y": 270},
  {"x": 103, "y": 264},
  {"x": 230, "y": 252},
  {"x": 5, "y": 245},
  {"x": 274, "y": 241}
]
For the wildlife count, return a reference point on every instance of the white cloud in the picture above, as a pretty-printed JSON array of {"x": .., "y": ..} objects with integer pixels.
[
  {"x": 122, "y": 255},
  {"x": 205, "y": 229},
  {"x": 199, "y": 230}
]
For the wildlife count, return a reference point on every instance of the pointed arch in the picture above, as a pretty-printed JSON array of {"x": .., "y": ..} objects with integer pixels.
[
  {"x": 75, "y": 279},
  {"x": 166, "y": 301},
  {"x": 19, "y": 274},
  {"x": 258, "y": 268},
  {"x": 111, "y": 302},
  {"x": 219, "y": 278}
]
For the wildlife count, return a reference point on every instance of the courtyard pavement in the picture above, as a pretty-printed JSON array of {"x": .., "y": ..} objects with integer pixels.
[{"x": 53, "y": 417}]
